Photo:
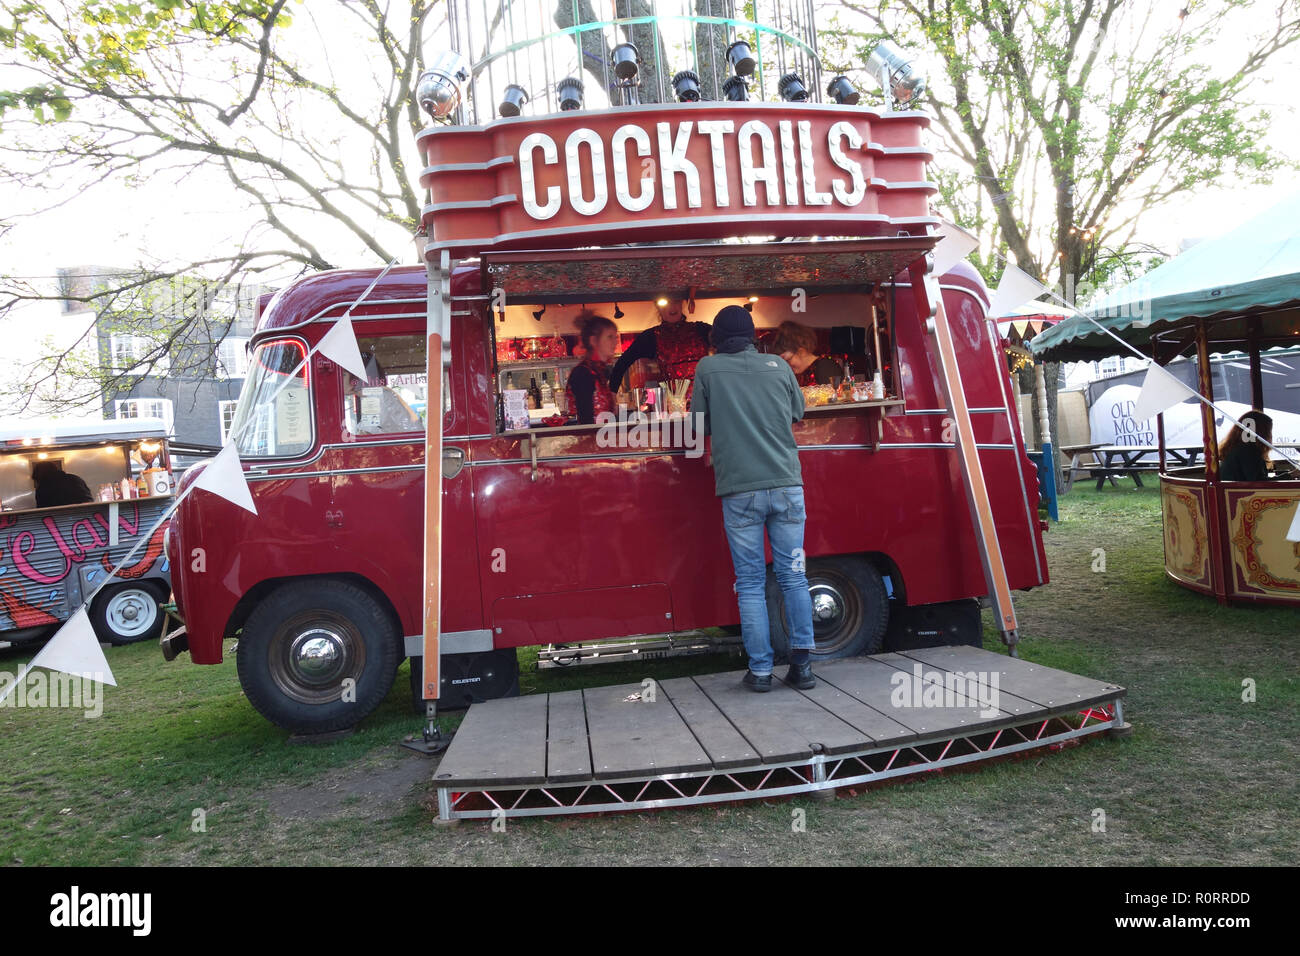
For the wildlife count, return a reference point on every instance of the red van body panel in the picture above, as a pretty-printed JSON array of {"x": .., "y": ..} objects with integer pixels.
[{"x": 594, "y": 542}]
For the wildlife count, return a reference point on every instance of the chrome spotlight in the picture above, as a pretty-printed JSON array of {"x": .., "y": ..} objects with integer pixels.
[
  {"x": 513, "y": 101},
  {"x": 735, "y": 89},
  {"x": 792, "y": 89},
  {"x": 625, "y": 55},
  {"x": 441, "y": 86},
  {"x": 899, "y": 77},
  {"x": 569, "y": 91},
  {"x": 741, "y": 60}
]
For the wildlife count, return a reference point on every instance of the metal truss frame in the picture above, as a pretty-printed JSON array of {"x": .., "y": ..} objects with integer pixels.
[{"x": 817, "y": 773}]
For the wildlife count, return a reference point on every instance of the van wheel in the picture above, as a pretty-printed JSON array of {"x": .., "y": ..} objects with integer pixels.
[
  {"x": 850, "y": 609},
  {"x": 127, "y": 613},
  {"x": 316, "y": 657}
]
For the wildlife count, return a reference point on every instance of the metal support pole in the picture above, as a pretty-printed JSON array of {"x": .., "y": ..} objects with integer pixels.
[
  {"x": 1047, "y": 479},
  {"x": 934, "y": 319},
  {"x": 438, "y": 356}
]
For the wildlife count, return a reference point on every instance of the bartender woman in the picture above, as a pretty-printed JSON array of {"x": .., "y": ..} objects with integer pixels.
[
  {"x": 797, "y": 344},
  {"x": 676, "y": 343},
  {"x": 588, "y": 391}
]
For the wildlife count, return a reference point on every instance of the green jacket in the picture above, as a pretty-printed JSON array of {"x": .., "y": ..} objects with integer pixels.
[{"x": 748, "y": 402}]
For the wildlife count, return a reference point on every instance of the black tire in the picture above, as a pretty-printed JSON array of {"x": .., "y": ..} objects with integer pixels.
[
  {"x": 850, "y": 592},
  {"x": 300, "y": 645},
  {"x": 127, "y": 613}
]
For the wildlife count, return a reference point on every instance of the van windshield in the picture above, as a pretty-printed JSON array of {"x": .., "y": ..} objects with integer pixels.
[{"x": 273, "y": 418}]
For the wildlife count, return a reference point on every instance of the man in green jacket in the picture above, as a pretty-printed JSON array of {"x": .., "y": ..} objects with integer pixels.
[{"x": 747, "y": 403}]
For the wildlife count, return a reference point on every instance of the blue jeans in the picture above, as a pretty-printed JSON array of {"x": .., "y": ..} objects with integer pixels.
[{"x": 745, "y": 515}]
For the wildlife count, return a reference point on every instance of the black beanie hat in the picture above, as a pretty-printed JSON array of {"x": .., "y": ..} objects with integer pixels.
[{"x": 733, "y": 329}]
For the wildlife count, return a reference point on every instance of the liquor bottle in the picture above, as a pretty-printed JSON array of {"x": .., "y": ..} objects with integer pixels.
[
  {"x": 510, "y": 379},
  {"x": 534, "y": 393},
  {"x": 548, "y": 397}
]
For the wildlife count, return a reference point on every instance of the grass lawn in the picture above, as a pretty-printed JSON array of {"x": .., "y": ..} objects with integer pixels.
[{"x": 1205, "y": 777}]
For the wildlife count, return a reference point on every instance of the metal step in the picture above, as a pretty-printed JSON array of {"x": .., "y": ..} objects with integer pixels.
[{"x": 649, "y": 647}]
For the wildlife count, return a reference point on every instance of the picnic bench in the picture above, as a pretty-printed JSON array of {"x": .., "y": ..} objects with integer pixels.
[{"x": 1112, "y": 462}]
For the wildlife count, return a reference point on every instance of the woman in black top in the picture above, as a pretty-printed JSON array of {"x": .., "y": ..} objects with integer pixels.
[
  {"x": 678, "y": 344},
  {"x": 1244, "y": 457}
]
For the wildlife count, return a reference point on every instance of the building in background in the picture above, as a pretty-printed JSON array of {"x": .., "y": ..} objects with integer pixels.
[{"x": 174, "y": 349}]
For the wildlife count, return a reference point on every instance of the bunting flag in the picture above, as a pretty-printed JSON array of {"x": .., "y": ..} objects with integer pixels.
[
  {"x": 223, "y": 477},
  {"x": 339, "y": 345},
  {"x": 74, "y": 649},
  {"x": 1294, "y": 533},
  {"x": 955, "y": 246},
  {"x": 1014, "y": 289},
  {"x": 1160, "y": 392}
]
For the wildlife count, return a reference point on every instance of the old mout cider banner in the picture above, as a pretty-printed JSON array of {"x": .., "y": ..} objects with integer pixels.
[{"x": 685, "y": 171}]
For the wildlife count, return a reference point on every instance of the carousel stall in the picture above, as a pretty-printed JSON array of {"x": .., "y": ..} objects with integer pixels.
[{"x": 1233, "y": 539}]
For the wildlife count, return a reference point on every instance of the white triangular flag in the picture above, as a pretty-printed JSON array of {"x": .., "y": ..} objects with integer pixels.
[
  {"x": 1014, "y": 289},
  {"x": 955, "y": 246},
  {"x": 1294, "y": 533},
  {"x": 74, "y": 649},
  {"x": 340, "y": 345},
  {"x": 223, "y": 477},
  {"x": 1160, "y": 392}
]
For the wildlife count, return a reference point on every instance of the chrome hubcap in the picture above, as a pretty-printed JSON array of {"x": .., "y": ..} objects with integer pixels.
[
  {"x": 131, "y": 613},
  {"x": 827, "y": 607},
  {"x": 318, "y": 656}
]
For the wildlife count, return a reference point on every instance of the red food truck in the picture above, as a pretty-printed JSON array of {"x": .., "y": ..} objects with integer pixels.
[{"x": 552, "y": 532}]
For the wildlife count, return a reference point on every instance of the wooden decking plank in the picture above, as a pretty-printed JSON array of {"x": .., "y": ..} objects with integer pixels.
[
  {"x": 568, "y": 751},
  {"x": 631, "y": 738},
  {"x": 781, "y": 725},
  {"x": 1047, "y": 687},
  {"x": 499, "y": 743},
  {"x": 872, "y": 680},
  {"x": 720, "y": 739},
  {"x": 875, "y": 727}
]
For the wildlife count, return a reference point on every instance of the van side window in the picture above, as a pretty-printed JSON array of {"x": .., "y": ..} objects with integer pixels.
[{"x": 393, "y": 398}]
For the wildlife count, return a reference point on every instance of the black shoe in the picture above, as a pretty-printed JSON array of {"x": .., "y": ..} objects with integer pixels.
[
  {"x": 759, "y": 685},
  {"x": 801, "y": 676}
]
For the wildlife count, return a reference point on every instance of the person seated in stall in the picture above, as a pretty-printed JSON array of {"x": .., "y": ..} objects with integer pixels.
[
  {"x": 1244, "y": 457},
  {"x": 55, "y": 487},
  {"x": 797, "y": 344},
  {"x": 588, "y": 392},
  {"x": 371, "y": 407},
  {"x": 676, "y": 343}
]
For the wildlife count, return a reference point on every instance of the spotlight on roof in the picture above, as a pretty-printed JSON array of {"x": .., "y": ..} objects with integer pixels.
[
  {"x": 735, "y": 90},
  {"x": 569, "y": 90},
  {"x": 618, "y": 313},
  {"x": 686, "y": 86},
  {"x": 741, "y": 60},
  {"x": 539, "y": 313},
  {"x": 441, "y": 86},
  {"x": 661, "y": 301},
  {"x": 625, "y": 55},
  {"x": 792, "y": 89},
  {"x": 513, "y": 101},
  {"x": 901, "y": 80},
  {"x": 843, "y": 92}
]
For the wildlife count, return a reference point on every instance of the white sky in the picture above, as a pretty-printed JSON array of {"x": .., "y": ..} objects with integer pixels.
[{"x": 115, "y": 225}]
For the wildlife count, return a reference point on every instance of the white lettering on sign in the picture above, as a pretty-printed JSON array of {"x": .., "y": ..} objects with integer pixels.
[
  {"x": 808, "y": 167},
  {"x": 573, "y": 155},
  {"x": 839, "y": 132},
  {"x": 622, "y": 188},
  {"x": 750, "y": 174},
  {"x": 549, "y": 156},
  {"x": 715, "y": 130},
  {"x": 672, "y": 160},
  {"x": 789, "y": 179}
]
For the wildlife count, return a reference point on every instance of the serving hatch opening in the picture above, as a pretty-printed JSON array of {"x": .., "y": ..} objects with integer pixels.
[{"x": 709, "y": 270}]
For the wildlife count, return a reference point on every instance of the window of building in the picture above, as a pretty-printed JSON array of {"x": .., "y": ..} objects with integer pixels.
[
  {"x": 226, "y": 414},
  {"x": 126, "y": 352},
  {"x": 145, "y": 408},
  {"x": 232, "y": 357},
  {"x": 1109, "y": 365}
]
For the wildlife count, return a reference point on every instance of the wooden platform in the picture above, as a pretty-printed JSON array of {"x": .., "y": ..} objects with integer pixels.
[{"x": 602, "y": 748}]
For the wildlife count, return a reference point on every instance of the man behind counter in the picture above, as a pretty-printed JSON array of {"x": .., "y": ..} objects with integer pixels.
[
  {"x": 748, "y": 402},
  {"x": 55, "y": 487}
]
